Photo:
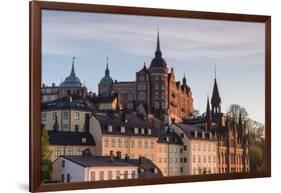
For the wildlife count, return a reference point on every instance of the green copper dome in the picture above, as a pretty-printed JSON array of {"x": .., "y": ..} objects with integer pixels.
[
  {"x": 72, "y": 80},
  {"x": 106, "y": 79}
]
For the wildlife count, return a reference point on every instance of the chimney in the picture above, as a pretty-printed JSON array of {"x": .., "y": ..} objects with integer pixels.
[
  {"x": 111, "y": 156},
  {"x": 127, "y": 157},
  {"x": 119, "y": 155},
  {"x": 141, "y": 161},
  {"x": 70, "y": 99},
  {"x": 87, "y": 123},
  {"x": 87, "y": 152}
]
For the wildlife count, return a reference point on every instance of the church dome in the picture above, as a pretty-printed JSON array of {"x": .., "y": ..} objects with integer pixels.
[
  {"x": 106, "y": 79},
  {"x": 72, "y": 80},
  {"x": 158, "y": 61}
]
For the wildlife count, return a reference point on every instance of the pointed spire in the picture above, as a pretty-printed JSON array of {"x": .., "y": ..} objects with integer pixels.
[
  {"x": 158, "y": 50},
  {"x": 72, "y": 68},
  {"x": 216, "y": 100},
  {"x": 107, "y": 70},
  {"x": 144, "y": 66},
  {"x": 184, "y": 80},
  {"x": 208, "y": 114}
]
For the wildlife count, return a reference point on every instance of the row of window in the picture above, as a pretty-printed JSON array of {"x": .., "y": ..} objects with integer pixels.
[
  {"x": 233, "y": 158},
  {"x": 113, "y": 142},
  {"x": 100, "y": 175},
  {"x": 203, "y": 170},
  {"x": 172, "y": 160},
  {"x": 204, "y": 159},
  {"x": 204, "y": 147},
  {"x": 68, "y": 151},
  {"x": 65, "y": 115},
  {"x": 67, "y": 178}
]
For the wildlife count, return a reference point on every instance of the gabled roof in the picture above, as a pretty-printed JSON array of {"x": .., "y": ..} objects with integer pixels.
[{"x": 70, "y": 138}]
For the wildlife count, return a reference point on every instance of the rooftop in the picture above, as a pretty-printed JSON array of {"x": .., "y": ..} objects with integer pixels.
[
  {"x": 146, "y": 165},
  {"x": 70, "y": 138},
  {"x": 67, "y": 102}
]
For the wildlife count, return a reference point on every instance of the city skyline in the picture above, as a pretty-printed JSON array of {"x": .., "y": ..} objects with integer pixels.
[{"x": 89, "y": 37}]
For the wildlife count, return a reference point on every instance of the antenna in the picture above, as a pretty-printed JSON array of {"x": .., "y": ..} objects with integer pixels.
[{"x": 215, "y": 70}]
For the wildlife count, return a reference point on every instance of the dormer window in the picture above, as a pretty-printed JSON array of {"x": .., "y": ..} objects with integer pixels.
[
  {"x": 142, "y": 130},
  {"x": 109, "y": 127},
  {"x": 167, "y": 139},
  {"x": 195, "y": 134},
  {"x": 136, "y": 130},
  {"x": 122, "y": 129},
  {"x": 84, "y": 140},
  {"x": 155, "y": 170},
  {"x": 149, "y": 131}
]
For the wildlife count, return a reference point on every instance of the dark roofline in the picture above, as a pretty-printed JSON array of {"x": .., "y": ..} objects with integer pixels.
[{"x": 125, "y": 82}]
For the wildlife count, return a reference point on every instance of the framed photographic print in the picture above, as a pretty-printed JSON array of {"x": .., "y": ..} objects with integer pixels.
[{"x": 125, "y": 96}]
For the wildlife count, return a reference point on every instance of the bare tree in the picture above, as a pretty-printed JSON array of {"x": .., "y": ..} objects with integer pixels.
[{"x": 235, "y": 110}]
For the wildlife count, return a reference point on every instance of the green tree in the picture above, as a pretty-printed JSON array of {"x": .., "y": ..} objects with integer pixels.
[
  {"x": 254, "y": 132},
  {"x": 46, "y": 163},
  {"x": 256, "y": 151}
]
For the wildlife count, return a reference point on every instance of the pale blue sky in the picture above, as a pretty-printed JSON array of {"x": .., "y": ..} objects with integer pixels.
[{"x": 191, "y": 46}]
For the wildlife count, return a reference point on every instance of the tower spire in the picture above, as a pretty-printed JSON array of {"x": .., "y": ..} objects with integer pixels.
[
  {"x": 107, "y": 70},
  {"x": 184, "y": 80},
  {"x": 216, "y": 100},
  {"x": 72, "y": 68},
  {"x": 208, "y": 114},
  {"x": 158, "y": 50}
]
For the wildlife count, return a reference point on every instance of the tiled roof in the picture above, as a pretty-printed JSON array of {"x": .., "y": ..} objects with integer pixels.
[{"x": 70, "y": 138}]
